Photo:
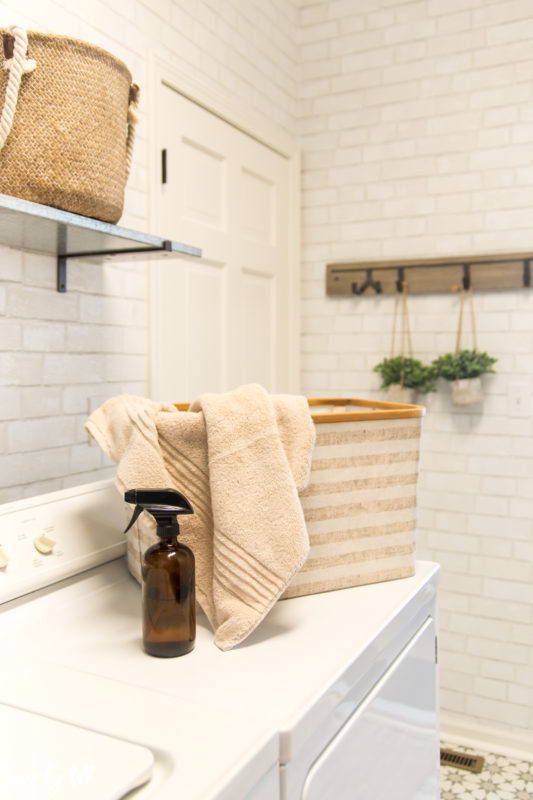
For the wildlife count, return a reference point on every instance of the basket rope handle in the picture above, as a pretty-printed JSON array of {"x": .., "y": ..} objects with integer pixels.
[
  {"x": 133, "y": 118},
  {"x": 17, "y": 65}
]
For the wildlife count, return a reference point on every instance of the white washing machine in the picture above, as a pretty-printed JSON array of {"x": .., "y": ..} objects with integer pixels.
[{"x": 334, "y": 696}]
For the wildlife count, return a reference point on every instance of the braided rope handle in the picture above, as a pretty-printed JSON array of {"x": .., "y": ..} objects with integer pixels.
[{"x": 18, "y": 65}]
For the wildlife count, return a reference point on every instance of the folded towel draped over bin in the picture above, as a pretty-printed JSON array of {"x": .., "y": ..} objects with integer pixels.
[{"x": 241, "y": 458}]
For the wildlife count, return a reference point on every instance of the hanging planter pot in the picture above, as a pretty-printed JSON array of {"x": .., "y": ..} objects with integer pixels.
[
  {"x": 402, "y": 376},
  {"x": 396, "y": 393},
  {"x": 467, "y": 391},
  {"x": 464, "y": 367},
  {"x": 463, "y": 370}
]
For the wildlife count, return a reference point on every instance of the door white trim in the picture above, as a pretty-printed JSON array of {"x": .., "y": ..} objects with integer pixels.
[{"x": 162, "y": 71}]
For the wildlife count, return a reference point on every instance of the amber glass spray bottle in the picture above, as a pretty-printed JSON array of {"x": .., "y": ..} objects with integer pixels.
[{"x": 169, "y": 613}]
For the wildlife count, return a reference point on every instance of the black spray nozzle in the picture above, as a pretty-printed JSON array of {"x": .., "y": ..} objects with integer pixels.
[{"x": 163, "y": 504}]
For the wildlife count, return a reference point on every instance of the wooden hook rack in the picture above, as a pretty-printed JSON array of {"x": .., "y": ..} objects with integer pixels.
[{"x": 429, "y": 275}]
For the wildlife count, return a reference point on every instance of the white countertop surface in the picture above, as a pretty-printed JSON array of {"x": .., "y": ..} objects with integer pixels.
[{"x": 215, "y": 721}]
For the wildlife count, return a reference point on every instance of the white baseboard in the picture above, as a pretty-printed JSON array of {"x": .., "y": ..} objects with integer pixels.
[{"x": 492, "y": 739}]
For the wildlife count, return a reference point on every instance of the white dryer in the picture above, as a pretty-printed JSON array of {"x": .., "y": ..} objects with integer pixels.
[{"x": 334, "y": 696}]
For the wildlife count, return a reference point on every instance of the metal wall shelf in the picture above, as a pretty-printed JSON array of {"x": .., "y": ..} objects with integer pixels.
[{"x": 42, "y": 229}]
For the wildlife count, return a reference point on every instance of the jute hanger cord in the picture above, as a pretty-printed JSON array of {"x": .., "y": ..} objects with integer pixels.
[
  {"x": 406, "y": 331},
  {"x": 461, "y": 309},
  {"x": 396, "y": 299}
]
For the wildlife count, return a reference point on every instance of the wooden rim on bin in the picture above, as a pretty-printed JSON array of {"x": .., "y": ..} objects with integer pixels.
[{"x": 363, "y": 409}]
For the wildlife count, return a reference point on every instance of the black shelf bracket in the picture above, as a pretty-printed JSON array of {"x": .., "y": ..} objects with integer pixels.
[
  {"x": 62, "y": 258},
  {"x": 64, "y": 235}
]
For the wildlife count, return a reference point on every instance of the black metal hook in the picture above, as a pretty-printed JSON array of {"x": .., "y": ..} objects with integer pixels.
[
  {"x": 401, "y": 279},
  {"x": 369, "y": 283},
  {"x": 527, "y": 273},
  {"x": 466, "y": 277}
]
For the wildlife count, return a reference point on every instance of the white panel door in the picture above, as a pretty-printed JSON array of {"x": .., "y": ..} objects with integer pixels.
[{"x": 228, "y": 318}]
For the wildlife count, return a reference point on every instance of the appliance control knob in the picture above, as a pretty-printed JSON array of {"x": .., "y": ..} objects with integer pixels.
[
  {"x": 4, "y": 558},
  {"x": 44, "y": 543}
]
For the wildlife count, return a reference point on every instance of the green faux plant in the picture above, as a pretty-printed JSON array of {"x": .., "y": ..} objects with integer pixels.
[
  {"x": 464, "y": 364},
  {"x": 409, "y": 372}
]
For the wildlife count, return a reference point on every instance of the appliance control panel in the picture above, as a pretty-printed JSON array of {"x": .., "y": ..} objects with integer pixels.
[{"x": 53, "y": 536}]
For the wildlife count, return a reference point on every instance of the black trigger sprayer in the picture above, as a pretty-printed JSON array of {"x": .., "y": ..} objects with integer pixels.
[{"x": 168, "y": 596}]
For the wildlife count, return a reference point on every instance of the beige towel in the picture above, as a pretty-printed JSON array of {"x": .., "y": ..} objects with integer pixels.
[{"x": 241, "y": 459}]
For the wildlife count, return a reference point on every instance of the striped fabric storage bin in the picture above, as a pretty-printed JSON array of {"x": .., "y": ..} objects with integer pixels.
[
  {"x": 360, "y": 505},
  {"x": 361, "y": 502}
]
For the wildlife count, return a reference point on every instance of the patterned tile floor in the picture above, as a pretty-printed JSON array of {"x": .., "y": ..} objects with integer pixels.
[{"x": 501, "y": 778}]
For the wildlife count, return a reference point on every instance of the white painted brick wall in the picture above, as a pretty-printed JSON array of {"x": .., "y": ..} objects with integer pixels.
[
  {"x": 61, "y": 355},
  {"x": 416, "y": 122}
]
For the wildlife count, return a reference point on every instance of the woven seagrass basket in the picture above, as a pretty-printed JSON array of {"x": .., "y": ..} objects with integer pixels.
[
  {"x": 66, "y": 126},
  {"x": 360, "y": 504}
]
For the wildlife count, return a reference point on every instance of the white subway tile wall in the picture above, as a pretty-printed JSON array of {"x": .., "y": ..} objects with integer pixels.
[
  {"x": 54, "y": 363},
  {"x": 417, "y": 124},
  {"x": 62, "y": 355},
  {"x": 416, "y": 120}
]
